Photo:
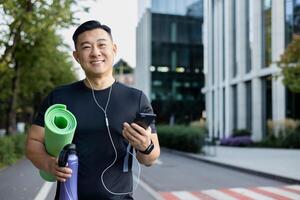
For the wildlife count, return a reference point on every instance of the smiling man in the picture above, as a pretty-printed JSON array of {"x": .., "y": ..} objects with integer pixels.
[{"x": 105, "y": 109}]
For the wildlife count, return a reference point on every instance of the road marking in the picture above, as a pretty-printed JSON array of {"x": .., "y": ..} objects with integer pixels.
[
  {"x": 235, "y": 194},
  {"x": 185, "y": 195},
  {"x": 295, "y": 187},
  {"x": 270, "y": 194},
  {"x": 218, "y": 195},
  {"x": 44, "y": 191},
  {"x": 149, "y": 190},
  {"x": 290, "y": 192},
  {"x": 251, "y": 194},
  {"x": 281, "y": 192}
]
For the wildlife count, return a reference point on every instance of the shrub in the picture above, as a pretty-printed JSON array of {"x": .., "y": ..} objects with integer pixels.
[
  {"x": 7, "y": 154},
  {"x": 11, "y": 148},
  {"x": 19, "y": 143},
  {"x": 184, "y": 138},
  {"x": 292, "y": 140}
]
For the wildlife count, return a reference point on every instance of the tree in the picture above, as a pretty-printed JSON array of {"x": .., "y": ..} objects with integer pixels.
[
  {"x": 31, "y": 52},
  {"x": 290, "y": 65}
]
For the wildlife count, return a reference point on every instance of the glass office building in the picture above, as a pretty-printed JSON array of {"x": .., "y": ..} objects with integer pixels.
[
  {"x": 243, "y": 40},
  {"x": 170, "y": 58}
]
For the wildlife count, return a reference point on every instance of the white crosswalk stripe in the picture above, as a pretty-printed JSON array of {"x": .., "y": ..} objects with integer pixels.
[
  {"x": 218, "y": 195},
  {"x": 251, "y": 194},
  {"x": 291, "y": 192},
  {"x": 281, "y": 192},
  {"x": 295, "y": 187},
  {"x": 185, "y": 195}
]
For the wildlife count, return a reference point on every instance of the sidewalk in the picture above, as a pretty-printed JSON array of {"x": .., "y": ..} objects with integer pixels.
[{"x": 280, "y": 164}]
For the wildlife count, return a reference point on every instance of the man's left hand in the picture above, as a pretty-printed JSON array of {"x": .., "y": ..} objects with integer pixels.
[{"x": 137, "y": 136}]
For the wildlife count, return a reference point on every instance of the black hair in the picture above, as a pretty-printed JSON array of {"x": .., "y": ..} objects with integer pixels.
[{"x": 90, "y": 25}]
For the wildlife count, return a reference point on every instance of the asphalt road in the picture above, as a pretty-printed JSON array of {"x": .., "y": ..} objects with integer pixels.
[{"x": 173, "y": 172}]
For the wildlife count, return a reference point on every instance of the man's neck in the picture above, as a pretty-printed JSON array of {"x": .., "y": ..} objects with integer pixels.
[{"x": 99, "y": 83}]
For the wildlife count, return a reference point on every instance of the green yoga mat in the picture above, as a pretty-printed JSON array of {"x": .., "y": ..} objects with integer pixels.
[{"x": 60, "y": 125}]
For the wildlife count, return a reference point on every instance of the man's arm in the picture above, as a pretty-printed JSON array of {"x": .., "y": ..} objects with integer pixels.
[
  {"x": 36, "y": 153},
  {"x": 150, "y": 159},
  {"x": 140, "y": 139}
]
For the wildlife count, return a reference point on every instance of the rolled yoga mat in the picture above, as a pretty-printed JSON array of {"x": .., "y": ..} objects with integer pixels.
[{"x": 60, "y": 125}]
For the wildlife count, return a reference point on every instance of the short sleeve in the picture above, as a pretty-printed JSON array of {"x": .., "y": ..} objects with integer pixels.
[
  {"x": 39, "y": 115},
  {"x": 146, "y": 107}
]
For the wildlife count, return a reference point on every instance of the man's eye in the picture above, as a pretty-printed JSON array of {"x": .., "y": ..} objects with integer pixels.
[
  {"x": 85, "y": 47},
  {"x": 102, "y": 45}
]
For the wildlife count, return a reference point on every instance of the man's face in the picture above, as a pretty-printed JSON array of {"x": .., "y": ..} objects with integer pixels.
[{"x": 95, "y": 52}]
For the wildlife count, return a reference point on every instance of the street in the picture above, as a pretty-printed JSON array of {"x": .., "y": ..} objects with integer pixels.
[{"x": 171, "y": 174}]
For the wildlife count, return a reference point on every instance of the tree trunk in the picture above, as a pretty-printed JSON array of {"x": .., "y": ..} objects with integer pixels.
[{"x": 11, "y": 126}]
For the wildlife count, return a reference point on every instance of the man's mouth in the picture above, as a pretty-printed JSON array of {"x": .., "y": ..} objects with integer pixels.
[{"x": 97, "y": 62}]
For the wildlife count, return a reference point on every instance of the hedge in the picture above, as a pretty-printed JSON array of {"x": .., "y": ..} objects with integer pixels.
[
  {"x": 11, "y": 149},
  {"x": 183, "y": 138}
]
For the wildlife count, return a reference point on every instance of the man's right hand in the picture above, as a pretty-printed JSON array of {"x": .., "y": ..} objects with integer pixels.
[
  {"x": 61, "y": 173},
  {"x": 36, "y": 152}
]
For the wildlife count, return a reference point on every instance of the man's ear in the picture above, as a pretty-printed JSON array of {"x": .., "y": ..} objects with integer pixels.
[
  {"x": 75, "y": 55},
  {"x": 115, "y": 48}
]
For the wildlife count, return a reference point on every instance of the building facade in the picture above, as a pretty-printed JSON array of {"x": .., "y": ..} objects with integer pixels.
[
  {"x": 170, "y": 58},
  {"x": 243, "y": 41}
]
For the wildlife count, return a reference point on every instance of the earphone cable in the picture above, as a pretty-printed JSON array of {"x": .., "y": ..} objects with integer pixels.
[{"x": 113, "y": 145}]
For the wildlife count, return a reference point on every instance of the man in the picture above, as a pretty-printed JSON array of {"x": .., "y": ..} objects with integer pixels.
[{"x": 105, "y": 110}]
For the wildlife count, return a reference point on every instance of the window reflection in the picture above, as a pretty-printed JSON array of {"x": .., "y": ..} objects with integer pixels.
[{"x": 267, "y": 10}]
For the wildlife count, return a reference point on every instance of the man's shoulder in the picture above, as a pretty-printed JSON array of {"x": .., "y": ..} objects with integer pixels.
[
  {"x": 67, "y": 87},
  {"x": 127, "y": 88}
]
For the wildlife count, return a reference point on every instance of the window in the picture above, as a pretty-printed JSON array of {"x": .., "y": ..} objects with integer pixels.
[
  {"x": 249, "y": 33},
  {"x": 249, "y": 105},
  {"x": 266, "y": 103},
  {"x": 267, "y": 32},
  {"x": 173, "y": 32},
  {"x": 292, "y": 19},
  {"x": 234, "y": 106}
]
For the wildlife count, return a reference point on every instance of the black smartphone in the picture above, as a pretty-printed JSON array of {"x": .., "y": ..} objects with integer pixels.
[{"x": 144, "y": 119}]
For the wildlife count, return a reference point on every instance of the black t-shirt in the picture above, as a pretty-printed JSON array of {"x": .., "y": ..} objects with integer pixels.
[{"x": 93, "y": 145}]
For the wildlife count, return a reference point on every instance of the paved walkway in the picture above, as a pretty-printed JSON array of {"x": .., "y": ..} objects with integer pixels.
[{"x": 283, "y": 164}]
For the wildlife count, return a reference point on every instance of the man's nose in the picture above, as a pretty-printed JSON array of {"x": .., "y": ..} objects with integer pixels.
[{"x": 95, "y": 52}]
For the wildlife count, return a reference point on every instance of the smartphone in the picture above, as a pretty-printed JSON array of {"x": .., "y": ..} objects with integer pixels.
[{"x": 144, "y": 119}]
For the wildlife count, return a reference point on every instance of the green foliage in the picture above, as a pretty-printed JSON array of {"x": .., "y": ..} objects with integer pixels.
[
  {"x": 184, "y": 138},
  {"x": 11, "y": 148},
  {"x": 290, "y": 65},
  {"x": 7, "y": 154},
  {"x": 19, "y": 144},
  {"x": 33, "y": 57},
  {"x": 287, "y": 139}
]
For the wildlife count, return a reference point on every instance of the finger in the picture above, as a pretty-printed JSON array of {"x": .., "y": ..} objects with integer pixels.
[
  {"x": 63, "y": 172},
  {"x": 139, "y": 129},
  {"x": 133, "y": 134},
  {"x": 129, "y": 137}
]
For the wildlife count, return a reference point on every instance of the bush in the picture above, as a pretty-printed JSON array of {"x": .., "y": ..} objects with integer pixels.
[
  {"x": 184, "y": 138},
  {"x": 7, "y": 154},
  {"x": 270, "y": 141},
  {"x": 19, "y": 142},
  {"x": 11, "y": 148},
  {"x": 287, "y": 139},
  {"x": 292, "y": 140}
]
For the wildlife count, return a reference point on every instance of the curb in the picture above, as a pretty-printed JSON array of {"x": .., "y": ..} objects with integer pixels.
[{"x": 238, "y": 168}]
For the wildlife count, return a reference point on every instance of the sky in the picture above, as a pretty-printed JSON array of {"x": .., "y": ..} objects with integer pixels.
[{"x": 120, "y": 16}]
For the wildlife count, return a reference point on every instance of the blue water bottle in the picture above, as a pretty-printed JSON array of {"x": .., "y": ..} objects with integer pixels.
[{"x": 68, "y": 157}]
